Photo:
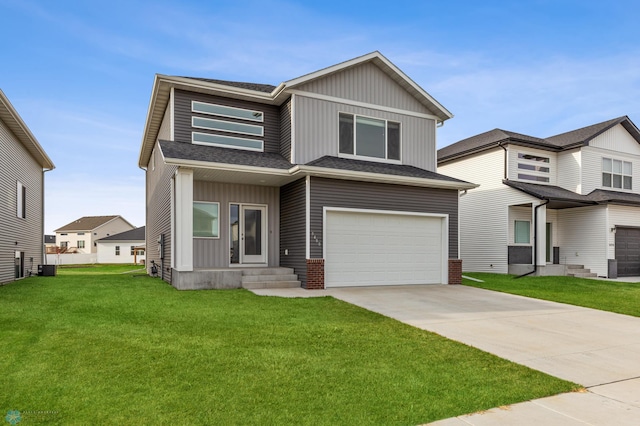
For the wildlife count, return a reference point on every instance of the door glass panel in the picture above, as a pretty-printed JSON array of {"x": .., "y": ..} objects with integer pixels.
[
  {"x": 234, "y": 234},
  {"x": 252, "y": 232}
]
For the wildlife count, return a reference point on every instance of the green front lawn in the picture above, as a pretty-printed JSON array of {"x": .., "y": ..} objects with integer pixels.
[
  {"x": 613, "y": 296},
  {"x": 94, "y": 346}
]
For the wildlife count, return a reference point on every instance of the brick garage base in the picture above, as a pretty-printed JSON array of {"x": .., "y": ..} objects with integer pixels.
[
  {"x": 315, "y": 274},
  {"x": 455, "y": 271}
]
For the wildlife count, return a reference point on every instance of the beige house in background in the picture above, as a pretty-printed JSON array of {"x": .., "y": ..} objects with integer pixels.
[
  {"x": 80, "y": 236},
  {"x": 22, "y": 166}
]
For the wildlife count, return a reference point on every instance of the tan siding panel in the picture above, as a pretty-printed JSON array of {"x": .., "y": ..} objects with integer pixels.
[
  {"x": 317, "y": 132},
  {"x": 366, "y": 83}
]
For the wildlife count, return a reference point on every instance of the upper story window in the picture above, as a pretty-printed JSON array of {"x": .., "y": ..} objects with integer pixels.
[
  {"x": 21, "y": 201},
  {"x": 533, "y": 167},
  {"x": 227, "y": 111},
  {"x": 369, "y": 137},
  {"x": 227, "y": 126},
  {"x": 617, "y": 174}
]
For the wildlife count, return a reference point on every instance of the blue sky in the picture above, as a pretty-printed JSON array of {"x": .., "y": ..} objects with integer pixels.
[{"x": 80, "y": 72}]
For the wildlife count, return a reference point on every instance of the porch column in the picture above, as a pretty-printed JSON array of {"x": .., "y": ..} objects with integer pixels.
[
  {"x": 541, "y": 237},
  {"x": 183, "y": 236}
]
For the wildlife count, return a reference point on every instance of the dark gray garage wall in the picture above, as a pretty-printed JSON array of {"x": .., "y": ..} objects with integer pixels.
[
  {"x": 380, "y": 196},
  {"x": 293, "y": 227}
]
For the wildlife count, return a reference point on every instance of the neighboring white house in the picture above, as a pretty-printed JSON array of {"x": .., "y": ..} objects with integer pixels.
[
  {"x": 126, "y": 247},
  {"x": 570, "y": 199},
  {"x": 80, "y": 236}
]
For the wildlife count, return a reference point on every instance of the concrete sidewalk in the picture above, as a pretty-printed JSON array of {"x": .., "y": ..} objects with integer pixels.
[{"x": 600, "y": 350}]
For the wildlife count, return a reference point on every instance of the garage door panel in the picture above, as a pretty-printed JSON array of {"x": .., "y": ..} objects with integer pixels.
[
  {"x": 382, "y": 249},
  {"x": 628, "y": 251}
]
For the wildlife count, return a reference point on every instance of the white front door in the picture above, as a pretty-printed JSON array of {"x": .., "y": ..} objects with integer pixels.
[{"x": 248, "y": 233}]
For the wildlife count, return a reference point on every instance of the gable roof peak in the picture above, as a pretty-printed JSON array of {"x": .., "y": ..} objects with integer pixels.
[{"x": 583, "y": 135}]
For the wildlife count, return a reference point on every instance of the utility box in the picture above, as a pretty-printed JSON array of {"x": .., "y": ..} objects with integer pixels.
[
  {"x": 613, "y": 268},
  {"x": 47, "y": 270}
]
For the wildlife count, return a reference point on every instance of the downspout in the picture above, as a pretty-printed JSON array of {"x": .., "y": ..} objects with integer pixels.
[
  {"x": 505, "y": 159},
  {"x": 535, "y": 240}
]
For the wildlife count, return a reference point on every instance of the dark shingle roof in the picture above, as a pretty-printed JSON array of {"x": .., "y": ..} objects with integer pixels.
[
  {"x": 381, "y": 168},
  {"x": 137, "y": 234},
  {"x": 564, "y": 198},
  {"x": 583, "y": 135},
  {"x": 559, "y": 142},
  {"x": 487, "y": 139},
  {"x": 86, "y": 223},
  {"x": 266, "y": 88},
  {"x": 214, "y": 154}
]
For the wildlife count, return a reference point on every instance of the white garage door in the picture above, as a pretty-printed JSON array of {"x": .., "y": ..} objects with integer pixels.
[{"x": 364, "y": 249}]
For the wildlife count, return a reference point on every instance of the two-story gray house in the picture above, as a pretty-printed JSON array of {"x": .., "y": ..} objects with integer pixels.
[
  {"x": 324, "y": 180},
  {"x": 23, "y": 163}
]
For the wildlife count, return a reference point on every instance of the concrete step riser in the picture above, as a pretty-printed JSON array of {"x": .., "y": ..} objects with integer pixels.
[
  {"x": 575, "y": 266},
  {"x": 271, "y": 284},
  {"x": 256, "y": 278},
  {"x": 584, "y": 275},
  {"x": 267, "y": 271}
]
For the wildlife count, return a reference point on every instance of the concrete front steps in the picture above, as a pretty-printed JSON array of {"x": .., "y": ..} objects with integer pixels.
[
  {"x": 269, "y": 278},
  {"x": 579, "y": 271}
]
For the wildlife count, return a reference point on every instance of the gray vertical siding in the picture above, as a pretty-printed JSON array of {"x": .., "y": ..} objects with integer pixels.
[
  {"x": 379, "y": 196},
  {"x": 293, "y": 228},
  {"x": 158, "y": 193},
  {"x": 214, "y": 253},
  {"x": 366, "y": 83},
  {"x": 183, "y": 114},
  {"x": 316, "y": 132},
  {"x": 285, "y": 130},
  {"x": 18, "y": 234}
]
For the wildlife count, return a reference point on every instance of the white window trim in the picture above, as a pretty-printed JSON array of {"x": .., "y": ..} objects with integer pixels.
[
  {"x": 515, "y": 233},
  {"x": 261, "y": 120},
  {"x": 209, "y": 202},
  {"x": 246, "y": 148},
  {"x": 364, "y": 157},
  {"x": 193, "y": 118},
  {"x": 622, "y": 174}
]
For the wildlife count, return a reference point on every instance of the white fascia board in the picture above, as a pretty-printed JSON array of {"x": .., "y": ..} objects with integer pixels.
[
  {"x": 218, "y": 88},
  {"x": 150, "y": 134},
  {"x": 377, "y": 177}
]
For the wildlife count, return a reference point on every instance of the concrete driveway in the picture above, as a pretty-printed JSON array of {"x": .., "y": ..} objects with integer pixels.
[{"x": 597, "y": 349}]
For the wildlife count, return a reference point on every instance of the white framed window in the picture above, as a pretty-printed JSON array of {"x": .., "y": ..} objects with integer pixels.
[
  {"x": 80, "y": 244},
  {"x": 64, "y": 244},
  {"x": 80, "y": 233},
  {"x": 617, "y": 174},
  {"x": 522, "y": 232},
  {"x": 198, "y": 138},
  {"x": 206, "y": 219},
  {"x": 533, "y": 167},
  {"x": 227, "y": 111},
  {"x": 133, "y": 250},
  {"x": 117, "y": 250},
  {"x": 227, "y": 126},
  {"x": 21, "y": 201},
  {"x": 368, "y": 137}
]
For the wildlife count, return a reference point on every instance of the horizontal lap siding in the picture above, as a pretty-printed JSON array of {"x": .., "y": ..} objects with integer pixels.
[
  {"x": 18, "y": 234},
  {"x": 293, "y": 228},
  {"x": 316, "y": 131},
  {"x": 285, "y": 130},
  {"x": 159, "y": 213},
  {"x": 183, "y": 114},
  {"x": 215, "y": 252},
  {"x": 583, "y": 237},
  {"x": 377, "y": 196}
]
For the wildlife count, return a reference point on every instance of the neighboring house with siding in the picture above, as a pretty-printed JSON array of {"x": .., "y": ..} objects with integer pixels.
[
  {"x": 125, "y": 247},
  {"x": 23, "y": 163},
  {"x": 569, "y": 199},
  {"x": 81, "y": 235},
  {"x": 330, "y": 177}
]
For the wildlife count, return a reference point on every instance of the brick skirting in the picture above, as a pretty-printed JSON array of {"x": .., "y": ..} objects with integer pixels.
[
  {"x": 455, "y": 271},
  {"x": 315, "y": 274}
]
